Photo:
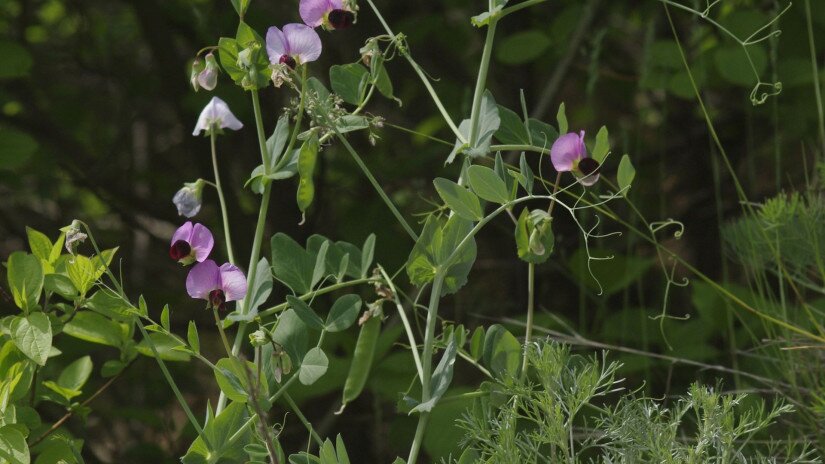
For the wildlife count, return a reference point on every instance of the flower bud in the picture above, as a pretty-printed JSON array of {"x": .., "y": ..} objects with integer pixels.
[
  {"x": 208, "y": 78},
  {"x": 245, "y": 58},
  {"x": 189, "y": 198},
  {"x": 194, "y": 74},
  {"x": 258, "y": 338},
  {"x": 74, "y": 236}
]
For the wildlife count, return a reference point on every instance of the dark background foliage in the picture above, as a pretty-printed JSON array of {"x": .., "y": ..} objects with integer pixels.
[{"x": 95, "y": 123}]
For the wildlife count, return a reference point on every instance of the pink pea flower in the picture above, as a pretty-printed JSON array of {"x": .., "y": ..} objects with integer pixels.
[
  {"x": 296, "y": 44},
  {"x": 216, "y": 285},
  {"x": 216, "y": 115},
  {"x": 331, "y": 14},
  {"x": 191, "y": 243},
  {"x": 569, "y": 154}
]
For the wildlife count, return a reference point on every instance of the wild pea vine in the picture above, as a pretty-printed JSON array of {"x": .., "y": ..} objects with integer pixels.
[{"x": 279, "y": 346}]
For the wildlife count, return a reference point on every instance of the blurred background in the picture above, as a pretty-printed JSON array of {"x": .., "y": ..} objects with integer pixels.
[{"x": 96, "y": 115}]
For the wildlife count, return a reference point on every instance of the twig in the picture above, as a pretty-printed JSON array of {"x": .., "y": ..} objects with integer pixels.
[{"x": 69, "y": 414}]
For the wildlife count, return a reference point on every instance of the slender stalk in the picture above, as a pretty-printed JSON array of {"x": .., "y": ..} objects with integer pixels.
[
  {"x": 173, "y": 385},
  {"x": 310, "y": 295},
  {"x": 817, "y": 83},
  {"x": 71, "y": 412},
  {"x": 519, "y": 6},
  {"x": 149, "y": 341},
  {"x": 494, "y": 148},
  {"x": 256, "y": 242},
  {"x": 219, "y": 324},
  {"x": 407, "y": 327},
  {"x": 402, "y": 49},
  {"x": 283, "y": 388},
  {"x": 481, "y": 81},
  {"x": 303, "y": 420},
  {"x": 373, "y": 182},
  {"x": 221, "y": 199},
  {"x": 427, "y": 362},
  {"x": 528, "y": 330}
]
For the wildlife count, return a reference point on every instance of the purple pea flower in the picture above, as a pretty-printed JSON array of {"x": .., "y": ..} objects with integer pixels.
[
  {"x": 216, "y": 285},
  {"x": 191, "y": 243},
  {"x": 216, "y": 115},
  {"x": 569, "y": 154},
  {"x": 296, "y": 44},
  {"x": 328, "y": 13}
]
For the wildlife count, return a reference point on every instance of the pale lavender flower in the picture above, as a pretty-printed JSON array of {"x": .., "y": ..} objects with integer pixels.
[
  {"x": 217, "y": 285},
  {"x": 189, "y": 198},
  {"x": 296, "y": 44},
  {"x": 331, "y": 14},
  {"x": 216, "y": 115},
  {"x": 191, "y": 243},
  {"x": 569, "y": 154},
  {"x": 208, "y": 78}
]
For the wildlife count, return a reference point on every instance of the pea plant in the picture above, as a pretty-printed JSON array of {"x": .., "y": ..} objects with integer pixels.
[{"x": 536, "y": 394}]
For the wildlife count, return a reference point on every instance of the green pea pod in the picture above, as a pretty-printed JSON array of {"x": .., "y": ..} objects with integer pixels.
[
  {"x": 306, "y": 168},
  {"x": 359, "y": 370}
]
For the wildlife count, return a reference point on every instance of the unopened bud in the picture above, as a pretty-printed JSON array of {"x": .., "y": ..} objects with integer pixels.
[
  {"x": 258, "y": 338},
  {"x": 74, "y": 236},
  {"x": 189, "y": 198},
  {"x": 194, "y": 73},
  {"x": 208, "y": 78}
]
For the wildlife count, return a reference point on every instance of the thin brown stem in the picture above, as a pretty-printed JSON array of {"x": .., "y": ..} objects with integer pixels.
[{"x": 69, "y": 414}]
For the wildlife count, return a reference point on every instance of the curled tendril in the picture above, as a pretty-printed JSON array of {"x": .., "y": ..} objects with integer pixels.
[
  {"x": 750, "y": 40},
  {"x": 656, "y": 226},
  {"x": 758, "y": 98},
  {"x": 664, "y": 315}
]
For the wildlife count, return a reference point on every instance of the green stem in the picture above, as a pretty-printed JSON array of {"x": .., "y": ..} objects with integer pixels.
[
  {"x": 427, "y": 362},
  {"x": 518, "y": 7},
  {"x": 481, "y": 81},
  {"x": 239, "y": 433},
  {"x": 815, "y": 70},
  {"x": 303, "y": 419},
  {"x": 149, "y": 341},
  {"x": 373, "y": 182},
  {"x": 172, "y": 384},
  {"x": 283, "y": 388},
  {"x": 321, "y": 291},
  {"x": 495, "y": 148},
  {"x": 256, "y": 242},
  {"x": 221, "y": 199},
  {"x": 402, "y": 49},
  {"x": 407, "y": 327},
  {"x": 219, "y": 324},
  {"x": 528, "y": 331}
]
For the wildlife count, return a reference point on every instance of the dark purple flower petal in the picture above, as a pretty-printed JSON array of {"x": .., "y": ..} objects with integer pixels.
[
  {"x": 340, "y": 19},
  {"x": 589, "y": 169}
]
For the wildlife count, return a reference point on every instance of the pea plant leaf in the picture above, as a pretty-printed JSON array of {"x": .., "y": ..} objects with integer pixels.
[
  {"x": 487, "y": 185},
  {"x": 313, "y": 367},
  {"x": 33, "y": 336},
  {"x": 441, "y": 378},
  {"x": 625, "y": 174},
  {"x": 343, "y": 314},
  {"x": 459, "y": 199}
]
